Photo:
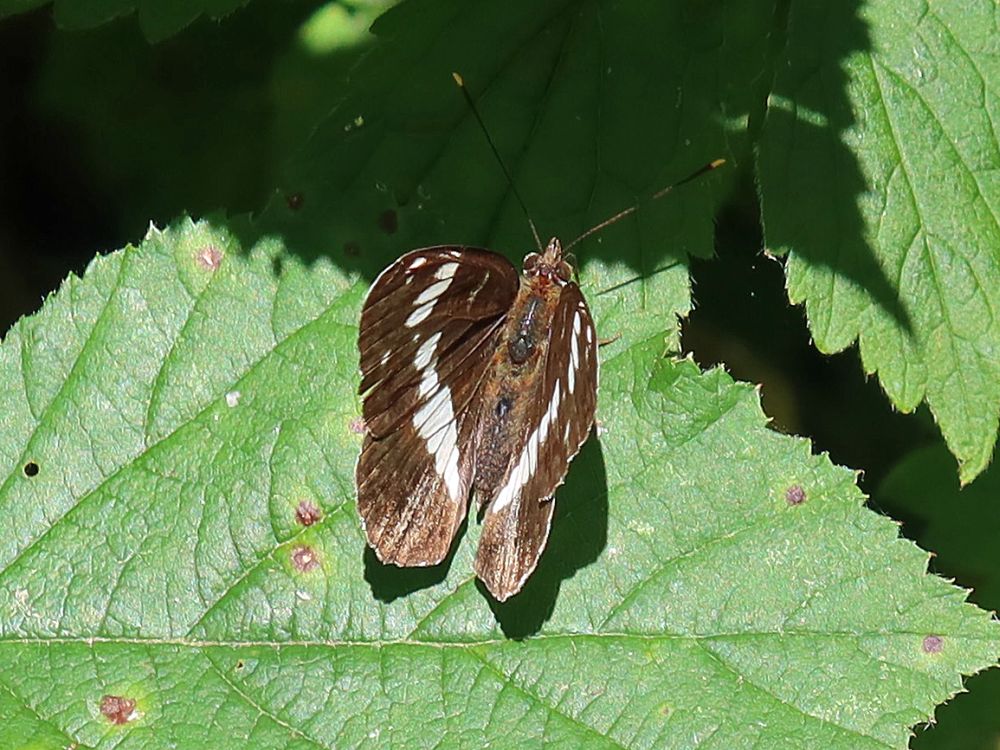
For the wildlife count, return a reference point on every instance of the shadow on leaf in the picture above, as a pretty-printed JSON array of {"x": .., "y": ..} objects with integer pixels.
[
  {"x": 389, "y": 582},
  {"x": 811, "y": 180}
]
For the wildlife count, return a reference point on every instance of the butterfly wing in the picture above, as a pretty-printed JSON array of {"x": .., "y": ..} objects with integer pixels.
[
  {"x": 426, "y": 332},
  {"x": 516, "y": 526}
]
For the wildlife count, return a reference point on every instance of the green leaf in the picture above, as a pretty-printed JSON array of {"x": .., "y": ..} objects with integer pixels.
[
  {"x": 708, "y": 581},
  {"x": 961, "y": 526},
  {"x": 878, "y": 173},
  {"x": 158, "y": 20}
]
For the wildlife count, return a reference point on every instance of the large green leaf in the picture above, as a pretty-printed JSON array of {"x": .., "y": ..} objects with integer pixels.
[
  {"x": 879, "y": 178},
  {"x": 177, "y": 529}
]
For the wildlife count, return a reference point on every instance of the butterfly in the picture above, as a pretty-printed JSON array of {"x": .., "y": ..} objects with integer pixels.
[{"x": 477, "y": 381}]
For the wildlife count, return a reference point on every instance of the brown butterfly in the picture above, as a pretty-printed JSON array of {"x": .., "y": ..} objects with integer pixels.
[{"x": 476, "y": 379}]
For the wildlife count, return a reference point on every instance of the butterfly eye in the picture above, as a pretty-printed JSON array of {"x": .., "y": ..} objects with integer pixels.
[{"x": 531, "y": 260}]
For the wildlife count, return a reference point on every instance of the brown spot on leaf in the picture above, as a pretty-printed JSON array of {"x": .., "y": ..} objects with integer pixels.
[
  {"x": 117, "y": 709},
  {"x": 307, "y": 513},
  {"x": 388, "y": 221},
  {"x": 357, "y": 426},
  {"x": 933, "y": 644},
  {"x": 209, "y": 257},
  {"x": 795, "y": 495},
  {"x": 31, "y": 469},
  {"x": 295, "y": 201},
  {"x": 304, "y": 558}
]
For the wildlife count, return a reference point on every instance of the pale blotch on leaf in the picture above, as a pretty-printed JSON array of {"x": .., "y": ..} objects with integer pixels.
[
  {"x": 304, "y": 558},
  {"x": 209, "y": 257},
  {"x": 118, "y": 709},
  {"x": 933, "y": 644},
  {"x": 233, "y": 399},
  {"x": 31, "y": 469},
  {"x": 307, "y": 513},
  {"x": 357, "y": 426},
  {"x": 795, "y": 495}
]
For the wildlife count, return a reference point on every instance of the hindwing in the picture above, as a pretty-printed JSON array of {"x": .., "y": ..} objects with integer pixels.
[{"x": 561, "y": 413}]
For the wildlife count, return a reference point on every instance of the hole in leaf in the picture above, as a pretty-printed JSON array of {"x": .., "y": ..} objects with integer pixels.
[{"x": 31, "y": 469}]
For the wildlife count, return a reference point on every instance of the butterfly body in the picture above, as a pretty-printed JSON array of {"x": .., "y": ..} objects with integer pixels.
[{"x": 476, "y": 380}]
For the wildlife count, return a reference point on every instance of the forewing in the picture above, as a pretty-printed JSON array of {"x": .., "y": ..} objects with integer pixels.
[
  {"x": 428, "y": 328},
  {"x": 516, "y": 526}
]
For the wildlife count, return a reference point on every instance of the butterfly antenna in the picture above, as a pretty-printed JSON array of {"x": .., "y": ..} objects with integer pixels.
[
  {"x": 658, "y": 194},
  {"x": 496, "y": 153}
]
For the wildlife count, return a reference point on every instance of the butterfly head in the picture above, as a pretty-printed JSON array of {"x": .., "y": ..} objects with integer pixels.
[{"x": 549, "y": 264}]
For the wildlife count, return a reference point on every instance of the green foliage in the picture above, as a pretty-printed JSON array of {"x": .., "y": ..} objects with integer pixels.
[
  {"x": 878, "y": 170},
  {"x": 182, "y": 401},
  {"x": 158, "y": 20},
  {"x": 170, "y": 418}
]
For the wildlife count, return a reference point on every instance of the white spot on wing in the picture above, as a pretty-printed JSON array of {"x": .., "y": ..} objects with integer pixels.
[
  {"x": 420, "y": 314},
  {"x": 528, "y": 462},
  {"x": 446, "y": 271},
  {"x": 417, "y": 262},
  {"x": 432, "y": 292},
  {"x": 426, "y": 351},
  {"x": 435, "y": 423}
]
